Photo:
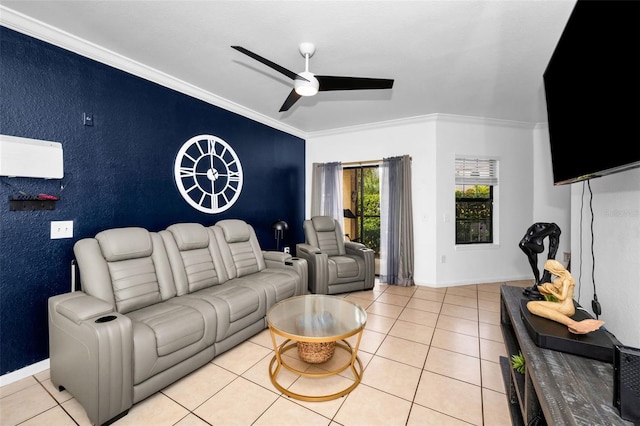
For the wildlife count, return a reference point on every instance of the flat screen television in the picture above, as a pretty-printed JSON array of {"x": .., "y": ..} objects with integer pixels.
[{"x": 592, "y": 89}]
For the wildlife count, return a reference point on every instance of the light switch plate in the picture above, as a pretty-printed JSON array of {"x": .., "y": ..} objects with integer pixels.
[
  {"x": 87, "y": 119},
  {"x": 61, "y": 229}
]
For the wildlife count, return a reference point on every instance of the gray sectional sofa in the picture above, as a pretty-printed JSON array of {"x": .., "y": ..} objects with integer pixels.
[{"x": 155, "y": 306}]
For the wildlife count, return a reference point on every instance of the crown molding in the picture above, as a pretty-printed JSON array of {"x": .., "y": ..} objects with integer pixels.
[
  {"x": 486, "y": 121},
  {"x": 461, "y": 119},
  {"x": 374, "y": 126},
  {"x": 47, "y": 33}
]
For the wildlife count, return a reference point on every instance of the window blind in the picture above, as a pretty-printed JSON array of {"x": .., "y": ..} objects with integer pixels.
[{"x": 476, "y": 171}]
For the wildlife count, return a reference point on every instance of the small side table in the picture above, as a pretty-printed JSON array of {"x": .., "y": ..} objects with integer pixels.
[{"x": 322, "y": 324}]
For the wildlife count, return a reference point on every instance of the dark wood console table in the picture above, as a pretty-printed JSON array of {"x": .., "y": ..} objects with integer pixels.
[{"x": 561, "y": 388}]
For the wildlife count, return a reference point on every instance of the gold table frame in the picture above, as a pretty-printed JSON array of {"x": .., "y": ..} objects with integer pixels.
[{"x": 290, "y": 342}]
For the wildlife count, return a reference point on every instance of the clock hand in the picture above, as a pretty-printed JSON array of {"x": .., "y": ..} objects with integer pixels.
[{"x": 213, "y": 175}]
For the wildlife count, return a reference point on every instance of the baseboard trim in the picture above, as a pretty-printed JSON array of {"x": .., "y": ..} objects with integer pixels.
[{"x": 25, "y": 372}]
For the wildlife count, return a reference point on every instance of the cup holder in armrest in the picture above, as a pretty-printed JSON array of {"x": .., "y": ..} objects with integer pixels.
[{"x": 106, "y": 318}]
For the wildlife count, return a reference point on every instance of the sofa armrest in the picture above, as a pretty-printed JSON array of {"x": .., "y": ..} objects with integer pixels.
[
  {"x": 302, "y": 268},
  {"x": 276, "y": 257},
  {"x": 303, "y": 248},
  {"x": 360, "y": 250},
  {"x": 79, "y": 307},
  {"x": 354, "y": 245},
  {"x": 368, "y": 255},
  {"x": 91, "y": 354},
  {"x": 318, "y": 266}
]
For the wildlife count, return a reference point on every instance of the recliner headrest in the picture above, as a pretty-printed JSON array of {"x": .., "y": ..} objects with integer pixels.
[
  {"x": 323, "y": 223},
  {"x": 189, "y": 236},
  {"x": 235, "y": 230},
  {"x": 124, "y": 243}
]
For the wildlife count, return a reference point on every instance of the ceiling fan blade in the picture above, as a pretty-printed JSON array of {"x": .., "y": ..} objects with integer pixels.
[
  {"x": 291, "y": 99},
  {"x": 329, "y": 82},
  {"x": 292, "y": 75}
]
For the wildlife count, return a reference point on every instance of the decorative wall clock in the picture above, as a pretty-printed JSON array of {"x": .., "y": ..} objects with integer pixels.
[{"x": 208, "y": 174}]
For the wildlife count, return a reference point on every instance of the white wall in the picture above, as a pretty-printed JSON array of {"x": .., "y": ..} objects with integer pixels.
[
  {"x": 433, "y": 143},
  {"x": 550, "y": 203},
  {"x": 512, "y": 144},
  {"x": 616, "y": 249},
  {"x": 411, "y": 137}
]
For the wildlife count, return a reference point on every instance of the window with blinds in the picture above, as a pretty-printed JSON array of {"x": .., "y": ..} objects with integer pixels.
[
  {"x": 476, "y": 171},
  {"x": 475, "y": 182}
]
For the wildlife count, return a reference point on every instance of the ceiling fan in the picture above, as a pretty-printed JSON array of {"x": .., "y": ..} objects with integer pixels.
[{"x": 307, "y": 83}]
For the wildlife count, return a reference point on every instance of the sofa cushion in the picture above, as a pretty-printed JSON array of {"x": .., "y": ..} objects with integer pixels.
[
  {"x": 124, "y": 243},
  {"x": 323, "y": 223},
  {"x": 328, "y": 244},
  {"x": 189, "y": 236},
  {"x": 244, "y": 258},
  {"x": 126, "y": 267},
  {"x": 166, "y": 334},
  {"x": 277, "y": 283},
  {"x": 198, "y": 265},
  {"x": 194, "y": 257},
  {"x": 237, "y": 306},
  {"x": 174, "y": 326},
  {"x": 239, "y": 247},
  {"x": 127, "y": 252},
  {"x": 134, "y": 283},
  {"x": 234, "y": 230},
  {"x": 345, "y": 267}
]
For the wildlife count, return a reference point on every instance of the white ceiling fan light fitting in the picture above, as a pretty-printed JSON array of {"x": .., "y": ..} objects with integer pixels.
[
  {"x": 309, "y": 85},
  {"x": 306, "y": 88}
]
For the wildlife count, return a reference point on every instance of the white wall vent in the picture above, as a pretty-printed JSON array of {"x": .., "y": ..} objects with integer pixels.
[{"x": 23, "y": 157}]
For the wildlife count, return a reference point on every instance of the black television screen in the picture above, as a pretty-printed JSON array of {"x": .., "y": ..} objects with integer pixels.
[{"x": 592, "y": 89}]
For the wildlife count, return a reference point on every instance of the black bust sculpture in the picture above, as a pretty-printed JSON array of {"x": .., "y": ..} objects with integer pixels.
[{"x": 533, "y": 243}]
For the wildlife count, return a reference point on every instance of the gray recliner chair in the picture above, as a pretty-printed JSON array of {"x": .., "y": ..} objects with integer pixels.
[{"x": 335, "y": 265}]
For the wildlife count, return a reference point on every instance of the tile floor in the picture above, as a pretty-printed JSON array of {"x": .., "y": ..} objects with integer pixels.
[{"x": 431, "y": 357}]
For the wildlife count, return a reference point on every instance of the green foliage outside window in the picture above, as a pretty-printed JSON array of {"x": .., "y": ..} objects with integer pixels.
[
  {"x": 474, "y": 214},
  {"x": 371, "y": 209},
  {"x": 473, "y": 191}
]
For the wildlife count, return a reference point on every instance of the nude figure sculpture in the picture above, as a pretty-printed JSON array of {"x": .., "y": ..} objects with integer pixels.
[
  {"x": 562, "y": 310},
  {"x": 532, "y": 244}
]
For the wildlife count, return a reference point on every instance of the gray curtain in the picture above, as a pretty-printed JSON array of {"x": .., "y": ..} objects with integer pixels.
[
  {"x": 326, "y": 190},
  {"x": 396, "y": 222}
]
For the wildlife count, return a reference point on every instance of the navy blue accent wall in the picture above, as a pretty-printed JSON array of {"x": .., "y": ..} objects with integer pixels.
[{"x": 119, "y": 172}]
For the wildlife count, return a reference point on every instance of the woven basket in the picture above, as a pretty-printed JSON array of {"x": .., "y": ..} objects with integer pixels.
[{"x": 316, "y": 353}]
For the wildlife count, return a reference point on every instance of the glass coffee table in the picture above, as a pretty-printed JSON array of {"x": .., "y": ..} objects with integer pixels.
[{"x": 317, "y": 325}]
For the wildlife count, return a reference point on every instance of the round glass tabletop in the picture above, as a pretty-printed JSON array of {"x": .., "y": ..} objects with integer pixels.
[{"x": 316, "y": 315}]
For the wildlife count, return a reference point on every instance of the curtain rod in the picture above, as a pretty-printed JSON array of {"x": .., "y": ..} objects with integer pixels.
[
  {"x": 364, "y": 162},
  {"x": 360, "y": 163}
]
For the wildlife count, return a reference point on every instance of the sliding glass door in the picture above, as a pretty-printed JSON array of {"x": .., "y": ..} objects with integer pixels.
[{"x": 361, "y": 192}]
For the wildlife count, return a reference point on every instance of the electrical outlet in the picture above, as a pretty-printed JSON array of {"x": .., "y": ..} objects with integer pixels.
[
  {"x": 61, "y": 229},
  {"x": 443, "y": 259},
  {"x": 287, "y": 250},
  {"x": 567, "y": 256}
]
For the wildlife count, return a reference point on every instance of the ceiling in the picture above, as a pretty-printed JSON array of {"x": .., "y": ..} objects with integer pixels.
[{"x": 468, "y": 58}]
